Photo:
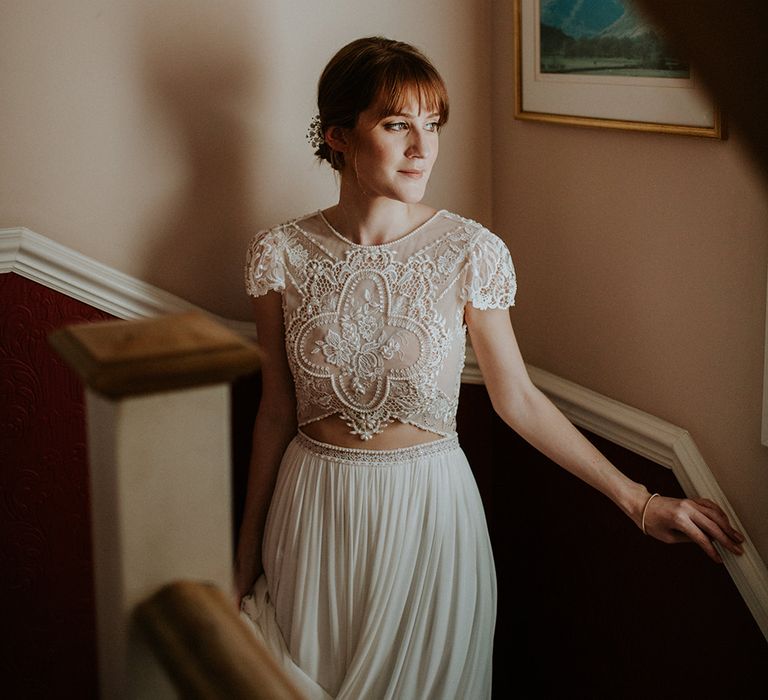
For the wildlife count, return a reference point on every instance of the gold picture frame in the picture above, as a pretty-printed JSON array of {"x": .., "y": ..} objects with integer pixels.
[{"x": 650, "y": 104}]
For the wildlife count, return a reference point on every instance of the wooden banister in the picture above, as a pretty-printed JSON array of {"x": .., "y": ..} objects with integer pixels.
[
  {"x": 207, "y": 650},
  {"x": 159, "y": 432},
  {"x": 129, "y": 358}
]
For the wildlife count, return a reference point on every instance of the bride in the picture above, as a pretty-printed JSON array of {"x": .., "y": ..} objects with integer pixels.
[{"x": 363, "y": 560}]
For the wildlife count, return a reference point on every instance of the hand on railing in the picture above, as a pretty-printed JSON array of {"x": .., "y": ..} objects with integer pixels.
[{"x": 697, "y": 520}]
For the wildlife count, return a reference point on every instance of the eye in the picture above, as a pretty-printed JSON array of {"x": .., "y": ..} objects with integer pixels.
[
  {"x": 432, "y": 126},
  {"x": 396, "y": 126}
]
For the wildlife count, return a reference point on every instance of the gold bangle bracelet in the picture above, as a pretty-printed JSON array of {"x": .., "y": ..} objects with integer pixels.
[{"x": 645, "y": 510}]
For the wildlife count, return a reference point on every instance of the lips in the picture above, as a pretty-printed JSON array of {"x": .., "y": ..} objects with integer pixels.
[{"x": 415, "y": 174}]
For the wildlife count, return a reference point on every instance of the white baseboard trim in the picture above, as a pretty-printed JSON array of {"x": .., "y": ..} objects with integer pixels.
[{"x": 57, "y": 267}]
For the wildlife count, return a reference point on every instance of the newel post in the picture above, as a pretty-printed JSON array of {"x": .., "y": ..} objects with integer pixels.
[{"x": 158, "y": 409}]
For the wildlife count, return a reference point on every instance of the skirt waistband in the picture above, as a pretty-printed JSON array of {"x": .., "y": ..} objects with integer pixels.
[{"x": 358, "y": 456}]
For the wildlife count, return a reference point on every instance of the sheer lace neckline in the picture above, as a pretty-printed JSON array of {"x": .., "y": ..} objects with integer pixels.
[{"x": 378, "y": 245}]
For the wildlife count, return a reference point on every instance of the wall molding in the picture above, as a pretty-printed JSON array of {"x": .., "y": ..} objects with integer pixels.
[{"x": 57, "y": 267}]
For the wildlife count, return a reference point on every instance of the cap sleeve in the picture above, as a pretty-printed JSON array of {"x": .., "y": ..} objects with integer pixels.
[
  {"x": 265, "y": 264},
  {"x": 490, "y": 281}
]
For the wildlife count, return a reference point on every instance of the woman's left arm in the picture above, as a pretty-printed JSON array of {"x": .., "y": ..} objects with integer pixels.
[{"x": 535, "y": 418}]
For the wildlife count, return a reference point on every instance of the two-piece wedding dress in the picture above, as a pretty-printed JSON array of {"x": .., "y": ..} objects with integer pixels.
[{"x": 379, "y": 579}]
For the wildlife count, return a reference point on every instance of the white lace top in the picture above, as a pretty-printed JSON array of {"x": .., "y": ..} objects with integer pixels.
[{"x": 376, "y": 333}]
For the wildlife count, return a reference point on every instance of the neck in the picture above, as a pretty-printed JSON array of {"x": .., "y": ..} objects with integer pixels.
[{"x": 373, "y": 221}]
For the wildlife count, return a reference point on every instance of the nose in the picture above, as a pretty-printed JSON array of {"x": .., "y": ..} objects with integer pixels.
[{"x": 418, "y": 144}]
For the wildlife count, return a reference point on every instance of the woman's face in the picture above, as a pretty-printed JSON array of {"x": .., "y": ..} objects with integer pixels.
[{"x": 393, "y": 156}]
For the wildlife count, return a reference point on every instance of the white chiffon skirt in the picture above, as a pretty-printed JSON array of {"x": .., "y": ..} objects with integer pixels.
[{"x": 379, "y": 580}]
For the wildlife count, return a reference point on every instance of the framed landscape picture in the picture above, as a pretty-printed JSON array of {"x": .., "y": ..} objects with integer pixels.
[{"x": 599, "y": 63}]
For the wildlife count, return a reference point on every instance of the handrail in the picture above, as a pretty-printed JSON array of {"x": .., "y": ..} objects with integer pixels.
[{"x": 207, "y": 650}]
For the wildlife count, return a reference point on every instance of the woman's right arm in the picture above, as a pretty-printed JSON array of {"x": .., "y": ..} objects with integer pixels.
[{"x": 274, "y": 428}]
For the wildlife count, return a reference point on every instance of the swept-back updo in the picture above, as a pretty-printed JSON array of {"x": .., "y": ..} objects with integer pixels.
[{"x": 375, "y": 69}]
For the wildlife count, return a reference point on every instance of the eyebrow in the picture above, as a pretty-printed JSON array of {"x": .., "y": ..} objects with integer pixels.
[{"x": 412, "y": 116}]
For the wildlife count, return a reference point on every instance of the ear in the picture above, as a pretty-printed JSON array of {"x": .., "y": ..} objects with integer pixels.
[{"x": 338, "y": 138}]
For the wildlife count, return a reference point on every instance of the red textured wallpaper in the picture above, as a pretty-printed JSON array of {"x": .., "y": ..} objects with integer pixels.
[{"x": 46, "y": 590}]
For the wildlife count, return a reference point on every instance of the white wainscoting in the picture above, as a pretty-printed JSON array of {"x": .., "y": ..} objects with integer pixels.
[{"x": 51, "y": 264}]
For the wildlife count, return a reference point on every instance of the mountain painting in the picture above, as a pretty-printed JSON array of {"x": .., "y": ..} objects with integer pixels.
[{"x": 603, "y": 37}]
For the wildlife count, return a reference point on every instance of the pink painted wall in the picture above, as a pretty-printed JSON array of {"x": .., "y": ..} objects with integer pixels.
[
  {"x": 157, "y": 137},
  {"x": 642, "y": 265}
]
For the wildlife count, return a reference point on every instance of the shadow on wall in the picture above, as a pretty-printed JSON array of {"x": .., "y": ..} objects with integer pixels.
[{"x": 201, "y": 73}]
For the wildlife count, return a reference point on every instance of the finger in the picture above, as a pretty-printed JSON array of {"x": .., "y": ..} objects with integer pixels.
[
  {"x": 708, "y": 502},
  {"x": 712, "y": 531},
  {"x": 716, "y": 513},
  {"x": 680, "y": 537},
  {"x": 710, "y": 507},
  {"x": 698, "y": 537}
]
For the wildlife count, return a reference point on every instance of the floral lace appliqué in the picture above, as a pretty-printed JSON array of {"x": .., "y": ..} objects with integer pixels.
[
  {"x": 360, "y": 347},
  {"x": 363, "y": 346},
  {"x": 375, "y": 334}
]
